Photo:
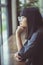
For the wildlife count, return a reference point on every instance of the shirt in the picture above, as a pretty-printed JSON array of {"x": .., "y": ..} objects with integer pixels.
[{"x": 33, "y": 48}]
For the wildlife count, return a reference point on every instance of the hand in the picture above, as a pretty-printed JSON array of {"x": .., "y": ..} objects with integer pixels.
[{"x": 19, "y": 30}]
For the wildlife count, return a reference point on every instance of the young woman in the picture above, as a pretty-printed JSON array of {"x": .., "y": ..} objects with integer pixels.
[{"x": 31, "y": 21}]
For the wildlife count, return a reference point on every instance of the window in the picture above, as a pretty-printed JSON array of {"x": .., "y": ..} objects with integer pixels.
[
  {"x": 41, "y": 6},
  {"x": 3, "y": 1},
  {"x": 3, "y": 21}
]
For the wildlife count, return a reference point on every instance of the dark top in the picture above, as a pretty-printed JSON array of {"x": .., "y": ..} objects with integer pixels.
[{"x": 33, "y": 48}]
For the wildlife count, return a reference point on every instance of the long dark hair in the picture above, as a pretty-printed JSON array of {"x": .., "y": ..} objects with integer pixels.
[{"x": 34, "y": 20}]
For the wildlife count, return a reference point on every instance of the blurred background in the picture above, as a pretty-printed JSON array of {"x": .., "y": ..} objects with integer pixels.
[{"x": 9, "y": 12}]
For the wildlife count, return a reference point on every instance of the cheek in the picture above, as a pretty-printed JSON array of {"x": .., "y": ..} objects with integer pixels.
[{"x": 24, "y": 24}]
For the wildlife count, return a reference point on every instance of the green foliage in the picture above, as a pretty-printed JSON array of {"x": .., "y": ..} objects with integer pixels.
[
  {"x": 27, "y": 4},
  {"x": 4, "y": 27},
  {"x": 19, "y": 5}
]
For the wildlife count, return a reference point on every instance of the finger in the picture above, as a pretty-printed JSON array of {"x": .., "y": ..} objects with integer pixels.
[
  {"x": 16, "y": 55},
  {"x": 20, "y": 27}
]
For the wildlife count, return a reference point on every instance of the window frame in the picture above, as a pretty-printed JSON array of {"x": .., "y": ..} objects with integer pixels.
[{"x": 8, "y": 6}]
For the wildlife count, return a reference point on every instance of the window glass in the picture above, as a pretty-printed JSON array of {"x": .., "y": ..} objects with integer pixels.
[
  {"x": 4, "y": 23},
  {"x": 3, "y": 1},
  {"x": 0, "y": 32}
]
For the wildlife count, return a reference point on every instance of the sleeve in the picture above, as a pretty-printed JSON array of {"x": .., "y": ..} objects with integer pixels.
[{"x": 31, "y": 46}]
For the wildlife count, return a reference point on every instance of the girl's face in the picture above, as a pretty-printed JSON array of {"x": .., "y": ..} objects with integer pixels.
[{"x": 23, "y": 22}]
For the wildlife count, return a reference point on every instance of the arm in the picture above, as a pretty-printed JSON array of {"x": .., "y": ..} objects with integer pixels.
[
  {"x": 29, "y": 50},
  {"x": 19, "y": 42},
  {"x": 19, "y": 30}
]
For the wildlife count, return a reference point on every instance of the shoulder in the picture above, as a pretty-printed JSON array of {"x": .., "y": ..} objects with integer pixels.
[{"x": 37, "y": 36}]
